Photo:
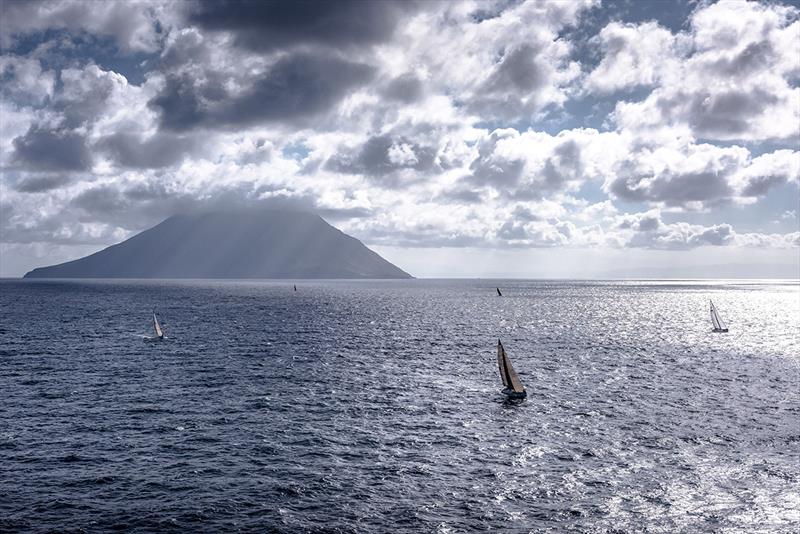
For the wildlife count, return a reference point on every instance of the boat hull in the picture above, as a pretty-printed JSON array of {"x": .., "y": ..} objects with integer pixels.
[
  {"x": 720, "y": 330},
  {"x": 511, "y": 394}
]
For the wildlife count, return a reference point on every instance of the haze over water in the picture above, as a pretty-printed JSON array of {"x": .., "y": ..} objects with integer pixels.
[{"x": 375, "y": 406}]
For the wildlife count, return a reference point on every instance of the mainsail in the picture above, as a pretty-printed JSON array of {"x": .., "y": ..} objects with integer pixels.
[
  {"x": 507, "y": 372},
  {"x": 157, "y": 327},
  {"x": 716, "y": 320}
]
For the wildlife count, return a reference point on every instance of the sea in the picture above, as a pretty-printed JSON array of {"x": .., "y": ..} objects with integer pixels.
[{"x": 376, "y": 406}]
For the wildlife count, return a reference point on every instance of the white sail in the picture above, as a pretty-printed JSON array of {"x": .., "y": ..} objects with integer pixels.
[
  {"x": 157, "y": 327},
  {"x": 716, "y": 320},
  {"x": 507, "y": 372}
]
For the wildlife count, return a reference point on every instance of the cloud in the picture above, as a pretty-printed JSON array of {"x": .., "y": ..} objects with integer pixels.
[
  {"x": 646, "y": 230},
  {"x": 47, "y": 149},
  {"x": 295, "y": 88},
  {"x": 39, "y": 183},
  {"x": 633, "y": 55},
  {"x": 405, "y": 88},
  {"x": 267, "y": 26},
  {"x": 698, "y": 175},
  {"x": 159, "y": 150},
  {"x": 758, "y": 240},
  {"x": 731, "y": 76},
  {"x": 24, "y": 80},
  {"x": 384, "y": 154},
  {"x": 132, "y": 24}
]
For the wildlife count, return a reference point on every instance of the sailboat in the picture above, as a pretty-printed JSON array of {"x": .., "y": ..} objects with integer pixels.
[
  {"x": 157, "y": 327},
  {"x": 295, "y": 287},
  {"x": 513, "y": 386},
  {"x": 716, "y": 320},
  {"x": 498, "y": 292}
]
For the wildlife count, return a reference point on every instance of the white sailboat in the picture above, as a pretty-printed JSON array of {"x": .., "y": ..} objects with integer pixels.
[
  {"x": 513, "y": 385},
  {"x": 716, "y": 320},
  {"x": 157, "y": 327}
]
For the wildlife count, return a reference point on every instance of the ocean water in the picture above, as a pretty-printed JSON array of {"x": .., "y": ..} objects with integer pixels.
[{"x": 376, "y": 407}]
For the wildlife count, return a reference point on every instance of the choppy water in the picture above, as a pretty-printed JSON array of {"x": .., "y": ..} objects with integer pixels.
[{"x": 375, "y": 407}]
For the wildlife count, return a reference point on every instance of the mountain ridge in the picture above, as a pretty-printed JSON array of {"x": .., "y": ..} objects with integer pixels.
[{"x": 274, "y": 243}]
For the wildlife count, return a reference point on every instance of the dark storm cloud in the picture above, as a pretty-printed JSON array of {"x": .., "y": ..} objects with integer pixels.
[
  {"x": 160, "y": 150},
  {"x": 374, "y": 157},
  {"x": 406, "y": 88},
  {"x": 52, "y": 150},
  {"x": 42, "y": 183},
  {"x": 295, "y": 88},
  {"x": 269, "y": 25}
]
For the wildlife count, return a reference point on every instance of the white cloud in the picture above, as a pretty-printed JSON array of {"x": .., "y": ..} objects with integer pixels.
[
  {"x": 729, "y": 77},
  {"x": 633, "y": 55}
]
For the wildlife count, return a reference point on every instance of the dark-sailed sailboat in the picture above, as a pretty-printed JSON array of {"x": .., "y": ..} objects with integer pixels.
[
  {"x": 716, "y": 320},
  {"x": 513, "y": 386},
  {"x": 157, "y": 327},
  {"x": 498, "y": 292}
]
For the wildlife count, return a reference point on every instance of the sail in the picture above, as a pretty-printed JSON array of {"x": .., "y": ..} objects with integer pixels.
[
  {"x": 507, "y": 372},
  {"x": 501, "y": 363},
  {"x": 498, "y": 292},
  {"x": 716, "y": 320},
  {"x": 157, "y": 327}
]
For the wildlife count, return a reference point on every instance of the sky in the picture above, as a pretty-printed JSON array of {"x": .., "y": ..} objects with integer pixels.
[{"x": 556, "y": 139}]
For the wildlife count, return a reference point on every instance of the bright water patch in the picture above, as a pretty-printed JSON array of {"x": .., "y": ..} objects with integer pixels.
[{"x": 375, "y": 406}]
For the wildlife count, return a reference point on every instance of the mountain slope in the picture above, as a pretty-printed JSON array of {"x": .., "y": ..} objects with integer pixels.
[{"x": 250, "y": 244}]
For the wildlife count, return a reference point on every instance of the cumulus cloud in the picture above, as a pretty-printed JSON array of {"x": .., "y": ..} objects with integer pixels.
[
  {"x": 131, "y": 24},
  {"x": 633, "y": 55},
  {"x": 728, "y": 77}
]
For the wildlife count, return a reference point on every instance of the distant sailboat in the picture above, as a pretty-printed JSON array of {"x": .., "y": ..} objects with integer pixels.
[
  {"x": 716, "y": 320},
  {"x": 498, "y": 292},
  {"x": 295, "y": 287},
  {"x": 513, "y": 386},
  {"x": 157, "y": 327}
]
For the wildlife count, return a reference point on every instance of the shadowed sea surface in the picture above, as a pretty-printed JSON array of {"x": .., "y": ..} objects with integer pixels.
[{"x": 375, "y": 406}]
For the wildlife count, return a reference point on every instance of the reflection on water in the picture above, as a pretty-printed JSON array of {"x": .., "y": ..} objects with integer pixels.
[{"x": 376, "y": 406}]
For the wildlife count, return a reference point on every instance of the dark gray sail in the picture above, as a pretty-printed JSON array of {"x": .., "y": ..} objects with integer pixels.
[{"x": 508, "y": 375}]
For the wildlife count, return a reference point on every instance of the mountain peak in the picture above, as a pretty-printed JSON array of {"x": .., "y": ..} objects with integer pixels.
[{"x": 274, "y": 243}]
